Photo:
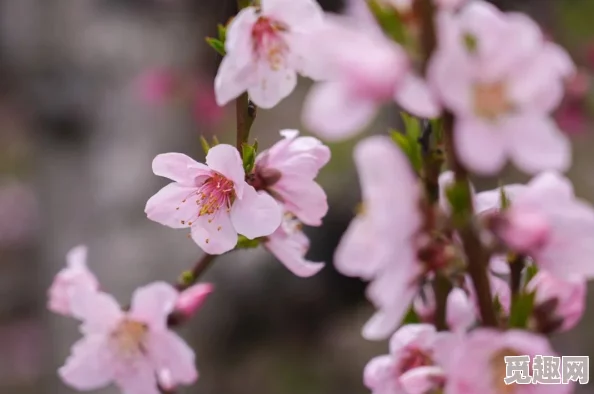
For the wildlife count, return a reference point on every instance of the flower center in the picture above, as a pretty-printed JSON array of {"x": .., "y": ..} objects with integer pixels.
[
  {"x": 498, "y": 371},
  {"x": 490, "y": 100},
  {"x": 129, "y": 337},
  {"x": 414, "y": 358},
  {"x": 268, "y": 42},
  {"x": 215, "y": 193}
]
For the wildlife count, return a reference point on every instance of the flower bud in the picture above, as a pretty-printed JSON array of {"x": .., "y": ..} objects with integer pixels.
[{"x": 191, "y": 299}]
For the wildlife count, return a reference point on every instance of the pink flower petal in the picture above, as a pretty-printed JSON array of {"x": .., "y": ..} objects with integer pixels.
[
  {"x": 480, "y": 146},
  {"x": 290, "y": 249},
  {"x": 422, "y": 380},
  {"x": 412, "y": 335},
  {"x": 167, "y": 351},
  {"x": 232, "y": 80},
  {"x": 297, "y": 14},
  {"x": 141, "y": 379},
  {"x": 215, "y": 237},
  {"x": 152, "y": 304},
  {"x": 179, "y": 168},
  {"x": 272, "y": 86},
  {"x": 380, "y": 375},
  {"x": 330, "y": 111},
  {"x": 537, "y": 145},
  {"x": 170, "y": 207},
  {"x": 414, "y": 95},
  {"x": 256, "y": 214},
  {"x": 306, "y": 200},
  {"x": 100, "y": 312},
  {"x": 225, "y": 160},
  {"x": 89, "y": 366}
]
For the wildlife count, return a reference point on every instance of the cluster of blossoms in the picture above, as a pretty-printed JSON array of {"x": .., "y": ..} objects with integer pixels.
[{"x": 459, "y": 279}]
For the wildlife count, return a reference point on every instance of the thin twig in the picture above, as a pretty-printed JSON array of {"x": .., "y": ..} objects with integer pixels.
[
  {"x": 190, "y": 277},
  {"x": 477, "y": 256}
]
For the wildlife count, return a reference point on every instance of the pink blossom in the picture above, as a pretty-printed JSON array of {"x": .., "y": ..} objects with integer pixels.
[
  {"x": 157, "y": 86},
  {"x": 572, "y": 117},
  {"x": 132, "y": 349},
  {"x": 192, "y": 299},
  {"x": 205, "y": 108},
  {"x": 461, "y": 313},
  {"x": 409, "y": 368},
  {"x": 213, "y": 199},
  {"x": 379, "y": 245},
  {"x": 406, "y": 6},
  {"x": 560, "y": 302},
  {"x": 368, "y": 70},
  {"x": 287, "y": 171},
  {"x": 475, "y": 364},
  {"x": 289, "y": 244},
  {"x": 76, "y": 274},
  {"x": 265, "y": 50},
  {"x": 500, "y": 77},
  {"x": 558, "y": 226}
]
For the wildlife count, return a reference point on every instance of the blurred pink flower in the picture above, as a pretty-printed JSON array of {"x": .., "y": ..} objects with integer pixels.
[
  {"x": 572, "y": 117},
  {"x": 192, "y": 298},
  {"x": 213, "y": 199},
  {"x": 76, "y": 274},
  {"x": 559, "y": 303},
  {"x": 265, "y": 51},
  {"x": 157, "y": 86},
  {"x": 500, "y": 291},
  {"x": 461, "y": 313},
  {"x": 368, "y": 70},
  {"x": 548, "y": 223},
  {"x": 409, "y": 368},
  {"x": 127, "y": 348},
  {"x": 287, "y": 171},
  {"x": 475, "y": 363},
  {"x": 289, "y": 244},
  {"x": 579, "y": 84},
  {"x": 379, "y": 243},
  {"x": 501, "y": 78},
  {"x": 205, "y": 108}
]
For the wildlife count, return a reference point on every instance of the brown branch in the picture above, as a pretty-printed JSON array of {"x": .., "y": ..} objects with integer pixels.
[
  {"x": 477, "y": 256},
  {"x": 190, "y": 277},
  {"x": 245, "y": 112}
]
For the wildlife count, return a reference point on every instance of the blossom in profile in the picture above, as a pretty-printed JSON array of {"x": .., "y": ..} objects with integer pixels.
[
  {"x": 409, "y": 367},
  {"x": 289, "y": 245},
  {"x": 287, "y": 171},
  {"x": 502, "y": 79},
  {"x": 368, "y": 71},
  {"x": 476, "y": 363},
  {"x": 548, "y": 223},
  {"x": 379, "y": 244},
  {"x": 191, "y": 299},
  {"x": 212, "y": 199},
  {"x": 266, "y": 49},
  {"x": 559, "y": 303},
  {"x": 76, "y": 274},
  {"x": 133, "y": 349}
]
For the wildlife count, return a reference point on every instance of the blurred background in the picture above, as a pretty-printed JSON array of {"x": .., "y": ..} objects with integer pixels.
[{"x": 90, "y": 92}]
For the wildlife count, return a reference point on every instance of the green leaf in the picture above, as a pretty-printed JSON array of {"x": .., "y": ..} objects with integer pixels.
[
  {"x": 249, "y": 157},
  {"x": 222, "y": 30},
  {"x": 411, "y": 317},
  {"x": 412, "y": 125},
  {"x": 459, "y": 197},
  {"x": 244, "y": 243},
  {"x": 205, "y": 145},
  {"x": 410, "y": 147},
  {"x": 531, "y": 271},
  {"x": 503, "y": 198},
  {"x": 390, "y": 22},
  {"x": 217, "y": 45},
  {"x": 215, "y": 140},
  {"x": 437, "y": 127},
  {"x": 521, "y": 309}
]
